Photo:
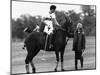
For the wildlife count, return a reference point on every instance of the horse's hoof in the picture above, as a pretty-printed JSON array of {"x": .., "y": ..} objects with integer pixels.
[
  {"x": 28, "y": 72},
  {"x": 55, "y": 70},
  {"x": 62, "y": 70}
]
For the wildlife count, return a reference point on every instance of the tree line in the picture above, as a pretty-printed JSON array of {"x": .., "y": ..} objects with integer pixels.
[{"x": 89, "y": 21}]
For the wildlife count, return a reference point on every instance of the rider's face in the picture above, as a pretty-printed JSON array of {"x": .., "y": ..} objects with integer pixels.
[{"x": 52, "y": 10}]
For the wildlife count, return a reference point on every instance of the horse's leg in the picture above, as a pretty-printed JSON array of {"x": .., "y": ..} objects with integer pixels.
[
  {"x": 29, "y": 58},
  {"x": 57, "y": 60},
  {"x": 33, "y": 67},
  {"x": 27, "y": 64},
  {"x": 27, "y": 61},
  {"x": 33, "y": 55},
  {"x": 62, "y": 55}
]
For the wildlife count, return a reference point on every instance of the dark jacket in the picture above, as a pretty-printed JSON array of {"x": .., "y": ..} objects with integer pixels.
[{"x": 79, "y": 40}]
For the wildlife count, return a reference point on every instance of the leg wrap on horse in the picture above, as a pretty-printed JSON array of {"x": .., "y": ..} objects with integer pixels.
[
  {"x": 27, "y": 68},
  {"x": 33, "y": 67}
]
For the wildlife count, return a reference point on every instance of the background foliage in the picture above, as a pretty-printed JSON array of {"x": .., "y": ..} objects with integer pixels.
[{"x": 89, "y": 21}]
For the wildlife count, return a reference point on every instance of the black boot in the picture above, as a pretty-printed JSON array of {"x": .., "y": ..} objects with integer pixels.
[
  {"x": 50, "y": 41},
  {"x": 76, "y": 64},
  {"x": 81, "y": 61}
]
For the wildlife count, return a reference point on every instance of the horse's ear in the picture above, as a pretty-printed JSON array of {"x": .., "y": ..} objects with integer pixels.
[{"x": 27, "y": 30}]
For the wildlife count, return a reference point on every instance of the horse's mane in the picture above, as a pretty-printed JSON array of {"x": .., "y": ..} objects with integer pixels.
[
  {"x": 68, "y": 26},
  {"x": 68, "y": 23}
]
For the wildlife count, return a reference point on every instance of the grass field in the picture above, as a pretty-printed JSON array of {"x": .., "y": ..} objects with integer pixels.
[{"x": 18, "y": 56}]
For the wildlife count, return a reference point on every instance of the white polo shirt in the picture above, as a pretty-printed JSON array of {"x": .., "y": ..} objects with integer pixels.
[{"x": 49, "y": 23}]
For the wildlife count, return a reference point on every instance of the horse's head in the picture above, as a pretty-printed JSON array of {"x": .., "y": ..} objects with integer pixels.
[{"x": 68, "y": 27}]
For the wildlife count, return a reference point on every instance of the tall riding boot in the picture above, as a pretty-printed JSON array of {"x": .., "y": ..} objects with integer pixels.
[{"x": 50, "y": 40}]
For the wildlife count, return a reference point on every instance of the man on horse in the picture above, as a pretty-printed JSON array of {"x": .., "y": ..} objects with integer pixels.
[{"x": 51, "y": 24}]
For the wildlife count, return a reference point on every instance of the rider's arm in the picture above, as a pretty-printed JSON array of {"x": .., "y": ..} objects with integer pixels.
[
  {"x": 36, "y": 28},
  {"x": 55, "y": 20}
]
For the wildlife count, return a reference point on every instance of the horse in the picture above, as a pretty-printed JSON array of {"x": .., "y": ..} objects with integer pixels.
[{"x": 36, "y": 41}]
